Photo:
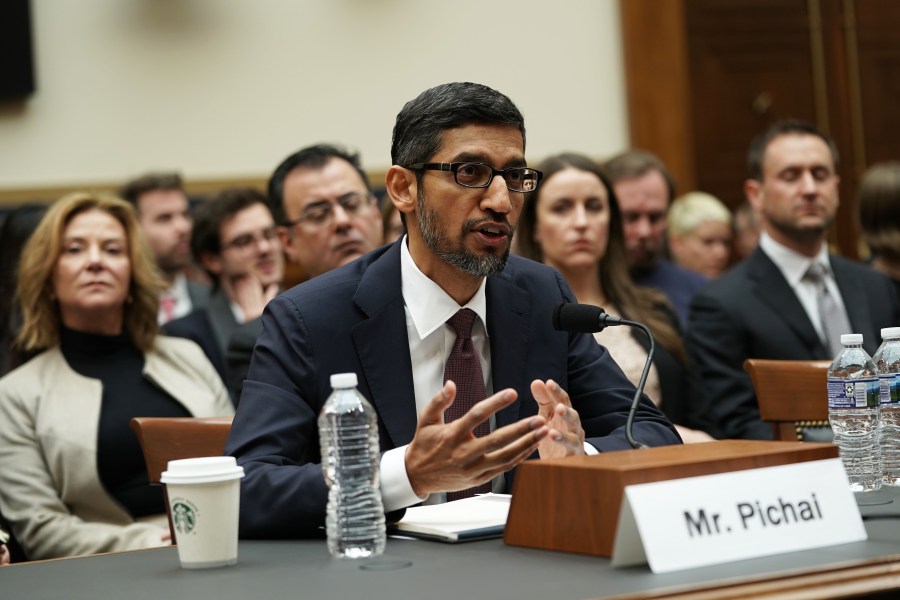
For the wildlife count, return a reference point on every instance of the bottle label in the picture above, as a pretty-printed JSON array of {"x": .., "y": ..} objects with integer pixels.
[
  {"x": 856, "y": 393},
  {"x": 890, "y": 388}
]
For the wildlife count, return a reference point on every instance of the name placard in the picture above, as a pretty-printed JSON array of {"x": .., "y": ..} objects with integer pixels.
[{"x": 700, "y": 521}]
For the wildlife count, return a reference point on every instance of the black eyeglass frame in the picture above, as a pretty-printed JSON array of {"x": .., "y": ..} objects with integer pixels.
[{"x": 454, "y": 167}]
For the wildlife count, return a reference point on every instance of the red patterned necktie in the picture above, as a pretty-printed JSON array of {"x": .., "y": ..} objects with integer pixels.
[
  {"x": 167, "y": 303},
  {"x": 464, "y": 369}
]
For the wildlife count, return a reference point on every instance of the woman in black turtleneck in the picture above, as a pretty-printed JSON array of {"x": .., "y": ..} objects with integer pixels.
[{"x": 72, "y": 476}]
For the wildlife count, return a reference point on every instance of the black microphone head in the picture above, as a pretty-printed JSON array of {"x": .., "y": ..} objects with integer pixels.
[{"x": 578, "y": 318}]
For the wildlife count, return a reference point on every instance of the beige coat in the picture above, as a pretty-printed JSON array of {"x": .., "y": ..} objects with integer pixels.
[{"x": 50, "y": 491}]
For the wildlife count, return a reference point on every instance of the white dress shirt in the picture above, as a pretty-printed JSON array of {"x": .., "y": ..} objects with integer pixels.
[{"x": 794, "y": 266}]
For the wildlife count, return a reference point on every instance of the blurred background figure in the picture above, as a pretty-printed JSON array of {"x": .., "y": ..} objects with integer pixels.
[
  {"x": 572, "y": 223},
  {"x": 700, "y": 234},
  {"x": 392, "y": 224},
  {"x": 879, "y": 216},
  {"x": 747, "y": 226},
  {"x": 72, "y": 475},
  {"x": 235, "y": 240},
  {"x": 15, "y": 231},
  {"x": 645, "y": 189},
  {"x": 164, "y": 215}
]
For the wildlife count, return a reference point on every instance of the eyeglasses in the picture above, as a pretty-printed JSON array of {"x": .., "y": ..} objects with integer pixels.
[
  {"x": 321, "y": 213},
  {"x": 243, "y": 242},
  {"x": 480, "y": 175}
]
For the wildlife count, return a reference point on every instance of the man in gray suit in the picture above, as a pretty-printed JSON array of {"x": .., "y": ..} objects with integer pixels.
[
  {"x": 235, "y": 240},
  {"x": 164, "y": 215},
  {"x": 790, "y": 299}
]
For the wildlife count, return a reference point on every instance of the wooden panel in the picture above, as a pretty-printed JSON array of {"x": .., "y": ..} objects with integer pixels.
[
  {"x": 659, "y": 117},
  {"x": 750, "y": 65},
  {"x": 877, "y": 26}
]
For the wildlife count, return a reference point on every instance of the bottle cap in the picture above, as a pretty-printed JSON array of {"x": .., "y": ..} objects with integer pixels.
[
  {"x": 890, "y": 333},
  {"x": 851, "y": 338},
  {"x": 343, "y": 380}
]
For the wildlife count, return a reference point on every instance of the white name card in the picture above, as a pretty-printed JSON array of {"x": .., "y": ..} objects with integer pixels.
[{"x": 699, "y": 521}]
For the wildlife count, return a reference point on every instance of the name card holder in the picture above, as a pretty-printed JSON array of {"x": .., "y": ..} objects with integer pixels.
[
  {"x": 707, "y": 520},
  {"x": 573, "y": 504}
]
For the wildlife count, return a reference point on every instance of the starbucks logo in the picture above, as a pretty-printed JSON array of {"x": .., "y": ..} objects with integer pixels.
[{"x": 184, "y": 517}]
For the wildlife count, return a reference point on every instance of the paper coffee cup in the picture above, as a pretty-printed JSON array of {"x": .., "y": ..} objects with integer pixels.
[{"x": 204, "y": 497}]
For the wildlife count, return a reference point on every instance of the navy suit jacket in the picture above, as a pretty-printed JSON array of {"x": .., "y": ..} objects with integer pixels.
[
  {"x": 352, "y": 319},
  {"x": 752, "y": 312}
]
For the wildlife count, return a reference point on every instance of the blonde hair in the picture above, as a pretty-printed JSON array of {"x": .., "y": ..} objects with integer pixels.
[
  {"x": 40, "y": 314},
  {"x": 693, "y": 208}
]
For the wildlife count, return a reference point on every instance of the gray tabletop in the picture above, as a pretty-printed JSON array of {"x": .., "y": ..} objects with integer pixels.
[{"x": 409, "y": 569}]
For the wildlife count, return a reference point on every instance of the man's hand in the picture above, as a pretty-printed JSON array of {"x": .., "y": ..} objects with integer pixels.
[
  {"x": 4, "y": 555},
  {"x": 566, "y": 436},
  {"x": 447, "y": 457},
  {"x": 250, "y": 295}
]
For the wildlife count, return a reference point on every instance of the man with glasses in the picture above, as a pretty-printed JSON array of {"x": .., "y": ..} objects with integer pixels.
[
  {"x": 235, "y": 240},
  {"x": 327, "y": 215},
  {"x": 450, "y": 337}
]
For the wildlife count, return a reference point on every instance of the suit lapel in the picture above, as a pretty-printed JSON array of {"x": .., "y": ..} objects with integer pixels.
[
  {"x": 508, "y": 313},
  {"x": 772, "y": 289},
  {"x": 382, "y": 346}
]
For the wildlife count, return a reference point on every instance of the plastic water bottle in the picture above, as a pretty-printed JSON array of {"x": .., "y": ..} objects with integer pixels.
[
  {"x": 887, "y": 361},
  {"x": 853, "y": 410},
  {"x": 348, "y": 435}
]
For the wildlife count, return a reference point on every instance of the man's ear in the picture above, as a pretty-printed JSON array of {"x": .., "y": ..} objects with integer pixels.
[
  {"x": 402, "y": 188},
  {"x": 288, "y": 243},
  {"x": 753, "y": 193}
]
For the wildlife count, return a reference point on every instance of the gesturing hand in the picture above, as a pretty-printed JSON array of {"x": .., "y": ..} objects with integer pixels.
[
  {"x": 446, "y": 457},
  {"x": 566, "y": 436}
]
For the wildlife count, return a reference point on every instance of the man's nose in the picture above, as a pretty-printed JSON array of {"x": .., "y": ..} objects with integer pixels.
[
  {"x": 808, "y": 182},
  {"x": 497, "y": 197}
]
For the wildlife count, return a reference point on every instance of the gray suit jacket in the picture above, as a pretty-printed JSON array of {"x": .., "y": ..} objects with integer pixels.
[{"x": 752, "y": 312}]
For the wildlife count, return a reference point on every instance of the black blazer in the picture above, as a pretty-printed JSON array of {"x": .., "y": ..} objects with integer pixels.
[
  {"x": 752, "y": 312},
  {"x": 352, "y": 319}
]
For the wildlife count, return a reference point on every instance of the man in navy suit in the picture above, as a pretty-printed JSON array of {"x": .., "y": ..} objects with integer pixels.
[
  {"x": 459, "y": 167},
  {"x": 766, "y": 306}
]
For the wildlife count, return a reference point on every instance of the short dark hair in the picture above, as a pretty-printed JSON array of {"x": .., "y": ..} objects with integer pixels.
[
  {"x": 134, "y": 189},
  {"x": 756, "y": 154},
  {"x": 209, "y": 216},
  {"x": 419, "y": 125},
  {"x": 311, "y": 157},
  {"x": 637, "y": 163}
]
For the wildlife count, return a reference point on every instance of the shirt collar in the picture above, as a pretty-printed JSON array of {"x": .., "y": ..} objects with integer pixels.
[
  {"x": 792, "y": 264},
  {"x": 428, "y": 304}
]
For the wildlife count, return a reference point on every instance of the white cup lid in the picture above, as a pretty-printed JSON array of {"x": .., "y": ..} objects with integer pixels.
[
  {"x": 852, "y": 338},
  {"x": 207, "y": 469},
  {"x": 890, "y": 332}
]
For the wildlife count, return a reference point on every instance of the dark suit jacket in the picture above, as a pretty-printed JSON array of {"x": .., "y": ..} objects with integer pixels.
[
  {"x": 211, "y": 328},
  {"x": 352, "y": 320},
  {"x": 238, "y": 355},
  {"x": 752, "y": 312}
]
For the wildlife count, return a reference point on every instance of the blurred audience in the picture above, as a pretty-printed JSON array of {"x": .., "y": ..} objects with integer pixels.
[
  {"x": 700, "y": 234},
  {"x": 573, "y": 223},
  {"x": 791, "y": 299},
  {"x": 645, "y": 188},
  {"x": 236, "y": 241},
  {"x": 747, "y": 227},
  {"x": 879, "y": 216},
  {"x": 72, "y": 475},
  {"x": 15, "y": 231},
  {"x": 327, "y": 216},
  {"x": 164, "y": 214},
  {"x": 392, "y": 222}
]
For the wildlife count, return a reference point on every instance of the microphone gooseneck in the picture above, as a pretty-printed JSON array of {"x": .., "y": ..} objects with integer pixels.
[{"x": 585, "y": 318}]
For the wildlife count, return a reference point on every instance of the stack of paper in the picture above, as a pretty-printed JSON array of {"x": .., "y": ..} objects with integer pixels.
[{"x": 475, "y": 518}]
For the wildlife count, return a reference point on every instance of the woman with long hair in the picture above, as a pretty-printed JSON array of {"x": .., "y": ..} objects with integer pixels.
[{"x": 572, "y": 222}]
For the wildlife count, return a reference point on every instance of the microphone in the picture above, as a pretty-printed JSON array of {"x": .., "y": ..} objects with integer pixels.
[{"x": 585, "y": 318}]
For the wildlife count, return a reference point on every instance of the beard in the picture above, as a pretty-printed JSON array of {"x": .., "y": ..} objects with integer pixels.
[{"x": 460, "y": 257}]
